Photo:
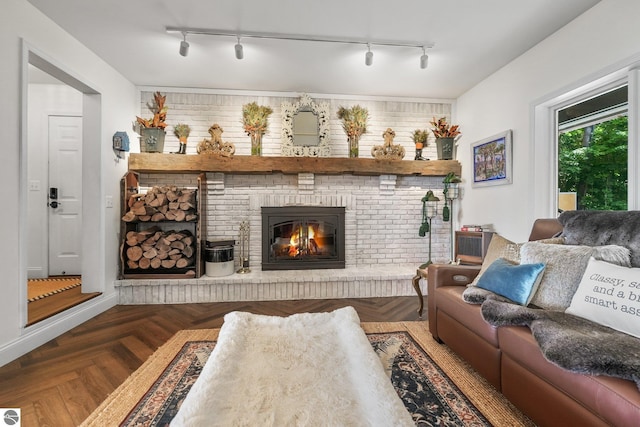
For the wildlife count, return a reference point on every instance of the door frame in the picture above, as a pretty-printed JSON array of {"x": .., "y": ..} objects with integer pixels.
[{"x": 93, "y": 261}]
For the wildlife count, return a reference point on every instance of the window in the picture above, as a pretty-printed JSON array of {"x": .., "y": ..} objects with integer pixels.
[{"x": 592, "y": 152}]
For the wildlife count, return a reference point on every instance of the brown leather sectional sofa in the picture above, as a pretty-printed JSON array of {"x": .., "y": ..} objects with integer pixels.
[{"x": 510, "y": 359}]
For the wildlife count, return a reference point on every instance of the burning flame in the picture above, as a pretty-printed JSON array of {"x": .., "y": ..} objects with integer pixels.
[{"x": 297, "y": 244}]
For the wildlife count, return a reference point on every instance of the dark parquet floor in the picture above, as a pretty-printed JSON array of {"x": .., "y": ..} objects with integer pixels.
[{"x": 60, "y": 383}]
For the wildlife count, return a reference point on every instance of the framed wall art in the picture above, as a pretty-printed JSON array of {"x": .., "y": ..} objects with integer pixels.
[{"x": 492, "y": 160}]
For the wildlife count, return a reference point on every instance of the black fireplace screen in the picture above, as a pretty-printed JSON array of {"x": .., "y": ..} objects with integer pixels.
[{"x": 302, "y": 237}]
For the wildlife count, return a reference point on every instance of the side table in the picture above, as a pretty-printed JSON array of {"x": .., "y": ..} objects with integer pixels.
[{"x": 421, "y": 273}]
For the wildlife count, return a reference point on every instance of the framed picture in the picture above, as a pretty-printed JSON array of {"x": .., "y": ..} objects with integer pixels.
[{"x": 492, "y": 160}]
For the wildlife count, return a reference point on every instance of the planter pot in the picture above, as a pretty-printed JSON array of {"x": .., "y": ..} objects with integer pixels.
[
  {"x": 152, "y": 140},
  {"x": 446, "y": 148}
]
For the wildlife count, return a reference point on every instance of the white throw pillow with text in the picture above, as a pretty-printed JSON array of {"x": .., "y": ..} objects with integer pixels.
[{"x": 609, "y": 294}]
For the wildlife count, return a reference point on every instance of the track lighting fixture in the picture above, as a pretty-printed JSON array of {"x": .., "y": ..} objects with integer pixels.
[
  {"x": 424, "y": 59},
  {"x": 368, "y": 57},
  {"x": 238, "y": 49},
  {"x": 184, "y": 45}
]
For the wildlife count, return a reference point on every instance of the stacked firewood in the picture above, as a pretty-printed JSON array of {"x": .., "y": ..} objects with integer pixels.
[
  {"x": 154, "y": 248},
  {"x": 162, "y": 203}
]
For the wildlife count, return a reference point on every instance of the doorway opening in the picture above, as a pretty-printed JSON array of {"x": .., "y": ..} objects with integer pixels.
[{"x": 61, "y": 123}]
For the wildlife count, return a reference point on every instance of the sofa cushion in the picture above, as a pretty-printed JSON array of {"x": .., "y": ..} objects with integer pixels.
[
  {"x": 609, "y": 294},
  {"x": 450, "y": 301},
  {"x": 499, "y": 247},
  {"x": 516, "y": 282},
  {"x": 615, "y": 399},
  {"x": 564, "y": 266}
]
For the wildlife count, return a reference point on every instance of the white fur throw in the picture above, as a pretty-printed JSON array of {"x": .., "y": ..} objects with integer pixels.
[{"x": 302, "y": 370}]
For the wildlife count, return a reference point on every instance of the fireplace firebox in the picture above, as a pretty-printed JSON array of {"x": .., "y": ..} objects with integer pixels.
[{"x": 302, "y": 237}]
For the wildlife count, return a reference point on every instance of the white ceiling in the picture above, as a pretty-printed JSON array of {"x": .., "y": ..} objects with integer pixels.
[{"x": 472, "y": 40}]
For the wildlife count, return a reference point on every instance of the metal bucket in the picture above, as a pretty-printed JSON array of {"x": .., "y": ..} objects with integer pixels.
[{"x": 219, "y": 260}]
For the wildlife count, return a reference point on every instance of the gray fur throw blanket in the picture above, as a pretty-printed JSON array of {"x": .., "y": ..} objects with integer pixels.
[
  {"x": 570, "y": 342},
  {"x": 599, "y": 228}
]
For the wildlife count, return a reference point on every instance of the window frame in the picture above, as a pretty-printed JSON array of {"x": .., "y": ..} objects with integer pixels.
[{"x": 544, "y": 147}]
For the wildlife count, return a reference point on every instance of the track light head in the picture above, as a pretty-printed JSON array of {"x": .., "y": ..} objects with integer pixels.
[
  {"x": 368, "y": 57},
  {"x": 424, "y": 61},
  {"x": 184, "y": 48},
  {"x": 239, "y": 50},
  {"x": 184, "y": 45}
]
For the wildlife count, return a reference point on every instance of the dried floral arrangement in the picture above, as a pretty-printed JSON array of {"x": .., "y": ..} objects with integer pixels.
[
  {"x": 255, "y": 118},
  {"x": 420, "y": 136},
  {"x": 354, "y": 120},
  {"x": 181, "y": 130},
  {"x": 159, "y": 111},
  {"x": 441, "y": 129}
]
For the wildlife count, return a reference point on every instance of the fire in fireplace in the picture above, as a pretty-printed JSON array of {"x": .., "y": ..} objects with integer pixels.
[{"x": 302, "y": 237}]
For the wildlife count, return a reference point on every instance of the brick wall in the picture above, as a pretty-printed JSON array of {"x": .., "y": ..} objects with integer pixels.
[
  {"x": 201, "y": 110},
  {"x": 383, "y": 213},
  {"x": 381, "y": 220}
]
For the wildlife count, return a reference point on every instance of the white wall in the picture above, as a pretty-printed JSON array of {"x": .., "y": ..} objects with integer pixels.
[
  {"x": 20, "y": 22},
  {"x": 605, "y": 35}
]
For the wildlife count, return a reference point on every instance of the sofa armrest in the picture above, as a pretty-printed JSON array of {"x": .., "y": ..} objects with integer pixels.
[{"x": 445, "y": 275}]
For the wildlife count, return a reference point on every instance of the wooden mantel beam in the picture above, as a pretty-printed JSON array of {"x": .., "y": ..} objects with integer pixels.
[{"x": 180, "y": 163}]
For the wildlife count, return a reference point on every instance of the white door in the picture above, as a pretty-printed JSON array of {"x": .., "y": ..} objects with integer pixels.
[{"x": 65, "y": 195}]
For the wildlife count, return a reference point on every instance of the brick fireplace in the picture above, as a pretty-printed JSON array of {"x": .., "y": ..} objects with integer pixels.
[
  {"x": 382, "y": 248},
  {"x": 382, "y": 211}
]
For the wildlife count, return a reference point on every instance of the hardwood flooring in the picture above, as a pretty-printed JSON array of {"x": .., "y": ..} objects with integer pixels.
[
  {"x": 54, "y": 304},
  {"x": 60, "y": 383}
]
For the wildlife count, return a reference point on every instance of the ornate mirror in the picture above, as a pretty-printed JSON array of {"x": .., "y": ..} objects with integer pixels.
[{"x": 305, "y": 128}]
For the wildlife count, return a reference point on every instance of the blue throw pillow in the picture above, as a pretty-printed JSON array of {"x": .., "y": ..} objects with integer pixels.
[{"x": 513, "y": 281}]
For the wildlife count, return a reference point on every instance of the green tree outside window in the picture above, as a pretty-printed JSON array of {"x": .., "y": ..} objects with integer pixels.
[{"x": 592, "y": 162}]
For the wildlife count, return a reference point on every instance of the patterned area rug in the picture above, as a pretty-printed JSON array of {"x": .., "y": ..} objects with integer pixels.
[
  {"x": 428, "y": 393},
  {"x": 41, "y": 288}
]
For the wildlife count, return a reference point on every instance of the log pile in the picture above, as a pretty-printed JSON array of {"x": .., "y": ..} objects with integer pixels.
[
  {"x": 156, "y": 249},
  {"x": 162, "y": 203}
]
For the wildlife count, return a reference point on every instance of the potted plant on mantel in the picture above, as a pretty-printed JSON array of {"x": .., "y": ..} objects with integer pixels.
[
  {"x": 354, "y": 123},
  {"x": 255, "y": 120},
  {"x": 152, "y": 131},
  {"x": 445, "y": 138},
  {"x": 182, "y": 131},
  {"x": 419, "y": 138}
]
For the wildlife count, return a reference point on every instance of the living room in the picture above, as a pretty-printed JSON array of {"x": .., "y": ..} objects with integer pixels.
[{"x": 598, "y": 44}]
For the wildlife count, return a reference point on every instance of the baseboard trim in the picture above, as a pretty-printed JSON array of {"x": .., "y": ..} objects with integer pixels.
[{"x": 35, "y": 335}]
